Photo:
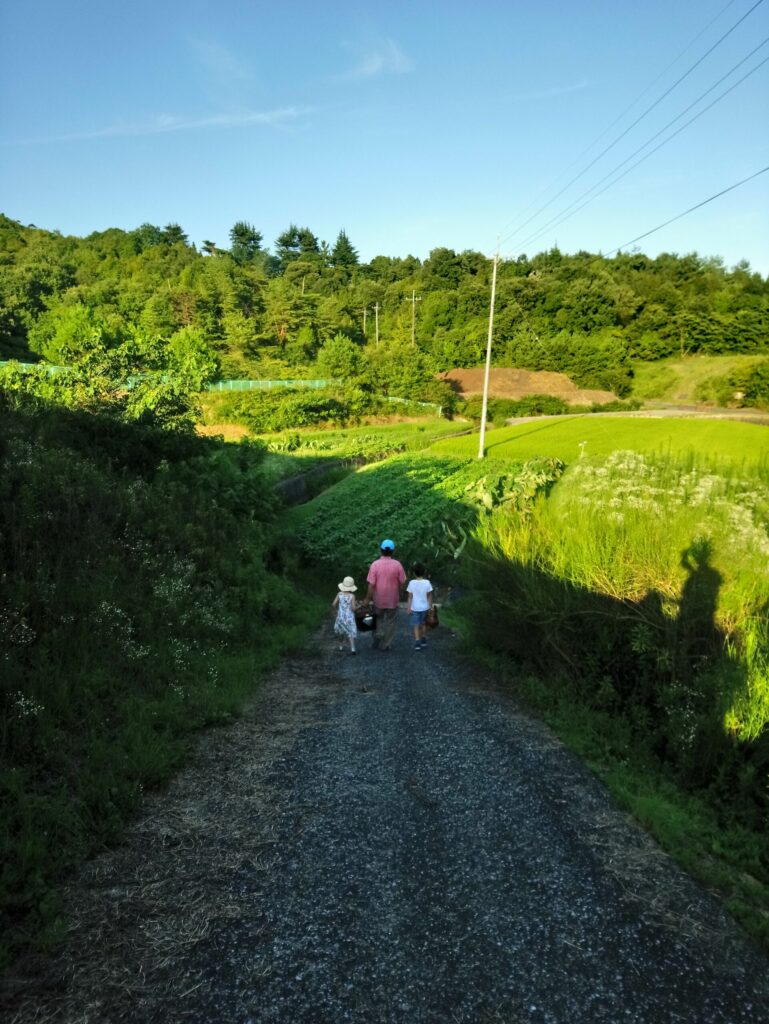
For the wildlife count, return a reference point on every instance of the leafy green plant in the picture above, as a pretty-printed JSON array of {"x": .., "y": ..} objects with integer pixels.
[{"x": 428, "y": 505}]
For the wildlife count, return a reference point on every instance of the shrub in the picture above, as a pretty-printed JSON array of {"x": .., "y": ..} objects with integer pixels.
[
  {"x": 747, "y": 386},
  {"x": 138, "y": 583},
  {"x": 284, "y": 408}
]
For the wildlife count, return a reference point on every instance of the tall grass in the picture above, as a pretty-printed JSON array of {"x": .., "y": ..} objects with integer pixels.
[
  {"x": 646, "y": 578},
  {"x": 631, "y": 606}
]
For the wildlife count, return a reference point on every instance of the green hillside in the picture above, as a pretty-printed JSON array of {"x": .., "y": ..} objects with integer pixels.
[{"x": 678, "y": 380}]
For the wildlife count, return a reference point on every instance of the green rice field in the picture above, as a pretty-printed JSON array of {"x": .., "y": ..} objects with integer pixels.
[{"x": 568, "y": 437}]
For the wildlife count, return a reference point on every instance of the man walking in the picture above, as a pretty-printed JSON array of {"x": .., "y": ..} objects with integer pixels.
[{"x": 386, "y": 579}]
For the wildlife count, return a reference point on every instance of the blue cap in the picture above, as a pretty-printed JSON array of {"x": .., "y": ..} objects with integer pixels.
[{"x": 387, "y": 545}]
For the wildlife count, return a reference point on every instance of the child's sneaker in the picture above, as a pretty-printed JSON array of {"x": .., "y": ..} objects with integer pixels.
[
  {"x": 417, "y": 646},
  {"x": 423, "y": 642}
]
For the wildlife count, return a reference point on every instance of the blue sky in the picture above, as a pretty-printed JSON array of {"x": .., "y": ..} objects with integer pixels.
[{"x": 410, "y": 125}]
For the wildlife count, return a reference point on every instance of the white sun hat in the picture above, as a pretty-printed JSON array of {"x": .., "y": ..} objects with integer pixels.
[{"x": 348, "y": 584}]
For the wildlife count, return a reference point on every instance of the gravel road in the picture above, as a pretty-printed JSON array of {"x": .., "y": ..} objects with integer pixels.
[{"x": 389, "y": 839}]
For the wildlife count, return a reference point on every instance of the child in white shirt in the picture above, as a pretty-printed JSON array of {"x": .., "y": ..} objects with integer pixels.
[{"x": 420, "y": 598}]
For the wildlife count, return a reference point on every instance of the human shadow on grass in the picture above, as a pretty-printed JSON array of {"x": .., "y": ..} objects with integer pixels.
[{"x": 666, "y": 669}]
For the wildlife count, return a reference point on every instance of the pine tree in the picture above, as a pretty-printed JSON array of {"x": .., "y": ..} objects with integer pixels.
[
  {"x": 245, "y": 242},
  {"x": 343, "y": 254}
]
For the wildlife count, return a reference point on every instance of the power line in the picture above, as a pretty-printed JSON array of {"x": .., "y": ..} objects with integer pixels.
[
  {"x": 687, "y": 109},
  {"x": 573, "y": 208},
  {"x": 616, "y": 120},
  {"x": 637, "y": 121},
  {"x": 690, "y": 210}
]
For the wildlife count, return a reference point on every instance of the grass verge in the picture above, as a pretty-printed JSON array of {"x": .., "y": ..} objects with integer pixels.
[
  {"x": 52, "y": 825},
  {"x": 723, "y": 858}
]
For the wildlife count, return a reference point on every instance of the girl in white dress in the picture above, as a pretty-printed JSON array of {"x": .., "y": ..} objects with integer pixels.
[{"x": 345, "y": 605}]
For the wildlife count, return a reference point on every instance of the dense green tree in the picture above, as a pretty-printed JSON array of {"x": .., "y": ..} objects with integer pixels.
[
  {"x": 191, "y": 355},
  {"x": 158, "y": 317},
  {"x": 286, "y": 310},
  {"x": 442, "y": 269},
  {"x": 308, "y": 242},
  {"x": 399, "y": 369},
  {"x": 343, "y": 254},
  {"x": 301, "y": 348},
  {"x": 293, "y": 242},
  {"x": 147, "y": 235},
  {"x": 65, "y": 333},
  {"x": 339, "y": 358},
  {"x": 245, "y": 242},
  {"x": 173, "y": 234},
  {"x": 334, "y": 313}
]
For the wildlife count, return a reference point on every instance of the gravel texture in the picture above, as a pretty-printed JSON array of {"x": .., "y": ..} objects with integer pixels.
[{"x": 389, "y": 839}]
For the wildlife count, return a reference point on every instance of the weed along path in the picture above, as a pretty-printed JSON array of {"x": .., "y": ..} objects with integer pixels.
[{"x": 389, "y": 839}]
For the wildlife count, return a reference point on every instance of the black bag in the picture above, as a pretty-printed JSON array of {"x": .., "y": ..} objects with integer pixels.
[
  {"x": 431, "y": 619},
  {"x": 365, "y": 620}
]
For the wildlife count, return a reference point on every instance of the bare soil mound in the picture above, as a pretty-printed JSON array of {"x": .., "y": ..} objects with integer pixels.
[
  {"x": 229, "y": 431},
  {"x": 510, "y": 383}
]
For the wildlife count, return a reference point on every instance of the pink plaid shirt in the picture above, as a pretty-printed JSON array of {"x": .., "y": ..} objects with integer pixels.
[{"x": 386, "y": 576}]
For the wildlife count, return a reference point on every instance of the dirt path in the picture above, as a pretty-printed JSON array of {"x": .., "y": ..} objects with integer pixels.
[{"x": 388, "y": 839}]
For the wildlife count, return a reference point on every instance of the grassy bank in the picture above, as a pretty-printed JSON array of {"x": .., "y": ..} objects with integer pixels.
[
  {"x": 638, "y": 591},
  {"x": 679, "y": 379},
  {"x": 724, "y": 856},
  {"x": 140, "y": 598}
]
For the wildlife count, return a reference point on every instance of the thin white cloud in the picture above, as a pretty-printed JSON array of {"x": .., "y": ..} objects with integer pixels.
[
  {"x": 385, "y": 58},
  {"x": 221, "y": 63},
  {"x": 164, "y": 123}
]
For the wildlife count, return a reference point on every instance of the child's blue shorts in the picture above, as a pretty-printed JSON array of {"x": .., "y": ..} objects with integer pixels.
[{"x": 417, "y": 618}]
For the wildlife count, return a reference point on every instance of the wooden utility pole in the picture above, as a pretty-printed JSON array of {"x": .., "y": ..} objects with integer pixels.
[
  {"x": 376, "y": 322},
  {"x": 365, "y": 310},
  {"x": 485, "y": 403},
  {"x": 414, "y": 300}
]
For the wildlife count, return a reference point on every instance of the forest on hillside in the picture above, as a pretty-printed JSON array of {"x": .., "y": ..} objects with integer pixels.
[{"x": 149, "y": 300}]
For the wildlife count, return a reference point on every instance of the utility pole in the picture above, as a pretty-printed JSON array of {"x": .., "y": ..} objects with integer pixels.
[
  {"x": 365, "y": 310},
  {"x": 414, "y": 300},
  {"x": 485, "y": 403},
  {"x": 376, "y": 322}
]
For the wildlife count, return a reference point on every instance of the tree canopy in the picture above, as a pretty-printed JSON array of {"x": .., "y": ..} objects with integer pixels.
[{"x": 249, "y": 312}]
